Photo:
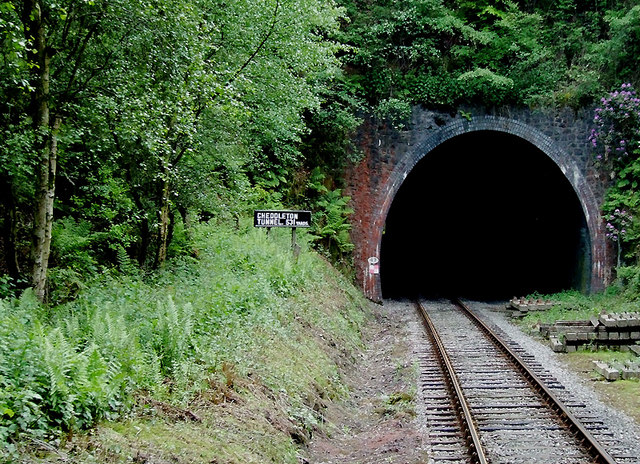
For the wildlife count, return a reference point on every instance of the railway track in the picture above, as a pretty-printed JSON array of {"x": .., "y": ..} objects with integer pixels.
[{"x": 488, "y": 402}]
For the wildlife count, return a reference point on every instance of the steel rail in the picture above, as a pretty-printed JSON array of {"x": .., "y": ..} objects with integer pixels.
[
  {"x": 461, "y": 406},
  {"x": 599, "y": 454}
]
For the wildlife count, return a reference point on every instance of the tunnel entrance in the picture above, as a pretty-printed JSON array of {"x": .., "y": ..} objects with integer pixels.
[{"x": 485, "y": 215}]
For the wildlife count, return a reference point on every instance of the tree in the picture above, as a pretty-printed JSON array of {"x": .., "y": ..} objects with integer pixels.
[
  {"x": 16, "y": 166},
  {"x": 129, "y": 104},
  {"x": 255, "y": 64},
  {"x": 64, "y": 46}
]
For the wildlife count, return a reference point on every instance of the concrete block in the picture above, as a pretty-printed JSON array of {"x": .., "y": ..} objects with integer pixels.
[
  {"x": 624, "y": 335},
  {"x": 603, "y": 336},
  {"x": 585, "y": 328},
  {"x": 571, "y": 336},
  {"x": 634, "y": 336},
  {"x": 614, "y": 335},
  {"x": 544, "y": 330},
  {"x": 557, "y": 345},
  {"x": 630, "y": 371},
  {"x": 607, "y": 320},
  {"x": 583, "y": 336},
  {"x": 571, "y": 348},
  {"x": 606, "y": 370},
  {"x": 623, "y": 320},
  {"x": 635, "y": 349}
]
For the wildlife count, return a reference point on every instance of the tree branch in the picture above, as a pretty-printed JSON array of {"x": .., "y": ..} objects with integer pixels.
[{"x": 258, "y": 48}]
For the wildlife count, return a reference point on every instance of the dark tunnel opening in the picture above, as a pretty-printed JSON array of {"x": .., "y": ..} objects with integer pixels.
[{"x": 487, "y": 216}]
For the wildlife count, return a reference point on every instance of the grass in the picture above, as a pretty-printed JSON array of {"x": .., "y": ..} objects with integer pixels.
[
  {"x": 609, "y": 356},
  {"x": 229, "y": 358},
  {"x": 400, "y": 404},
  {"x": 241, "y": 434},
  {"x": 573, "y": 306}
]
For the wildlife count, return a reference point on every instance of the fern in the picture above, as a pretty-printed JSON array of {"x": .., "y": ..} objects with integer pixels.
[
  {"x": 125, "y": 263},
  {"x": 332, "y": 223},
  {"x": 173, "y": 334},
  {"x": 59, "y": 360},
  {"x": 68, "y": 367}
]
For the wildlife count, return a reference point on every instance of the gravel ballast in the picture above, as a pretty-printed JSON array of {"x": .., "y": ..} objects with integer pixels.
[{"x": 626, "y": 432}]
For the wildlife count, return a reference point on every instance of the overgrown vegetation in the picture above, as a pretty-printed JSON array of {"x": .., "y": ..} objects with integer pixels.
[
  {"x": 444, "y": 53},
  {"x": 616, "y": 140},
  {"x": 204, "y": 329},
  {"x": 136, "y": 118}
]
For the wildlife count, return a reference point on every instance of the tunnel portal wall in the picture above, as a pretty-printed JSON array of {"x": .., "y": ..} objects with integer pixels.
[{"x": 389, "y": 155}]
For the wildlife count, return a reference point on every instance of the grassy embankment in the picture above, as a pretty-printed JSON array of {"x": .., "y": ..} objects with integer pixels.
[
  {"x": 229, "y": 358},
  {"x": 623, "y": 394}
]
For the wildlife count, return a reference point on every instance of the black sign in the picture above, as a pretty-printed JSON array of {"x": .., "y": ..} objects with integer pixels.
[{"x": 282, "y": 218}]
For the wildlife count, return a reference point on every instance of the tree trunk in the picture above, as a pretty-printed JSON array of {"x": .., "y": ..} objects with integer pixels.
[
  {"x": 13, "y": 263},
  {"x": 164, "y": 221},
  {"x": 46, "y": 146},
  {"x": 43, "y": 220},
  {"x": 619, "y": 247},
  {"x": 188, "y": 223},
  {"x": 145, "y": 237},
  {"x": 172, "y": 228}
]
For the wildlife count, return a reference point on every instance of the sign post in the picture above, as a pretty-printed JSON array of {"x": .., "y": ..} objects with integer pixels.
[{"x": 288, "y": 218}]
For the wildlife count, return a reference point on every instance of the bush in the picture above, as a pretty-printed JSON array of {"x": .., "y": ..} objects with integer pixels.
[
  {"x": 487, "y": 86},
  {"x": 629, "y": 278},
  {"x": 65, "y": 368}
]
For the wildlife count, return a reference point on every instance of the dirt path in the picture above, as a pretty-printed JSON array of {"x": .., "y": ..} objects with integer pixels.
[{"x": 377, "y": 423}]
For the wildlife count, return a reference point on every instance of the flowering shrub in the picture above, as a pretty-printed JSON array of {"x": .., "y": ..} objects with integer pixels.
[
  {"x": 617, "y": 224},
  {"x": 617, "y": 127},
  {"x": 615, "y": 138}
]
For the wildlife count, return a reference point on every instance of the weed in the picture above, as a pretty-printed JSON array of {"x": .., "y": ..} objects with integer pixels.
[{"x": 399, "y": 404}]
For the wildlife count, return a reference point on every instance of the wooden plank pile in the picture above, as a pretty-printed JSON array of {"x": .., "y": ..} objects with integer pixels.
[{"x": 608, "y": 330}]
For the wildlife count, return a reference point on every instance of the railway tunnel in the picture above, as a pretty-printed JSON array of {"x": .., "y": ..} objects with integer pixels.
[{"x": 484, "y": 215}]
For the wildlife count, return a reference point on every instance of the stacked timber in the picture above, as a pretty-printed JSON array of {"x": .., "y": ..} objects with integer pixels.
[{"x": 608, "y": 330}]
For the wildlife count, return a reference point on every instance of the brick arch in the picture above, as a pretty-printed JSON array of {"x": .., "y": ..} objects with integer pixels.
[{"x": 567, "y": 164}]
